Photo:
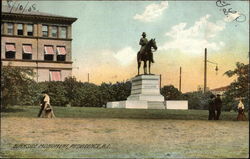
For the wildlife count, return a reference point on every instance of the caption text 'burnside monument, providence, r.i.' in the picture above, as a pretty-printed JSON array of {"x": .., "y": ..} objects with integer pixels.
[{"x": 145, "y": 91}]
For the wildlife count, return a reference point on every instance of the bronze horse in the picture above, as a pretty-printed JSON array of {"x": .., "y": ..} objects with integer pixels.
[{"x": 146, "y": 55}]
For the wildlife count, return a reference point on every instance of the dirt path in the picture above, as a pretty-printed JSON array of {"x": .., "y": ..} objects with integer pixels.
[{"x": 127, "y": 137}]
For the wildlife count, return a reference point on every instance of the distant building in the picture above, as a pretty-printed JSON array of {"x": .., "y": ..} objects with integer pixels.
[
  {"x": 220, "y": 90},
  {"x": 39, "y": 41}
]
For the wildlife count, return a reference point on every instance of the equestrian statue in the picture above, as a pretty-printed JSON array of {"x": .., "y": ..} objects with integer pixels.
[{"x": 146, "y": 53}]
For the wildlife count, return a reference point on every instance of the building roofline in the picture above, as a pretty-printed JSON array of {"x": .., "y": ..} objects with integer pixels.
[
  {"x": 6, "y": 14},
  {"x": 69, "y": 19},
  {"x": 220, "y": 88}
]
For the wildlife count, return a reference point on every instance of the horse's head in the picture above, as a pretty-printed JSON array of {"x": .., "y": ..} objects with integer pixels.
[{"x": 153, "y": 44}]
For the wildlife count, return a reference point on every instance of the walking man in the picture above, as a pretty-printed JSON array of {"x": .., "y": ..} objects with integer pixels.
[
  {"x": 218, "y": 105},
  {"x": 211, "y": 107}
]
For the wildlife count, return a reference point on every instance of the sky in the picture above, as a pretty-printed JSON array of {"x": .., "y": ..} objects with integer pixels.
[{"x": 107, "y": 33}]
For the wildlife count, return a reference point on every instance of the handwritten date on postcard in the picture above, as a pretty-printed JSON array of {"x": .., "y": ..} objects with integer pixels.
[
  {"x": 21, "y": 6},
  {"x": 231, "y": 14}
]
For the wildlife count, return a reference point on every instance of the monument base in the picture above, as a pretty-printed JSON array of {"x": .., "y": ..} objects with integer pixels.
[
  {"x": 145, "y": 94},
  {"x": 136, "y": 104}
]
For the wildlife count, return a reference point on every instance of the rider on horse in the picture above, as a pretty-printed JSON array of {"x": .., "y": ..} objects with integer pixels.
[{"x": 143, "y": 42}]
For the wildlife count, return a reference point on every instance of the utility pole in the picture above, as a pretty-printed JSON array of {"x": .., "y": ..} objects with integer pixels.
[
  {"x": 88, "y": 77},
  {"x": 180, "y": 81},
  {"x": 205, "y": 71}
]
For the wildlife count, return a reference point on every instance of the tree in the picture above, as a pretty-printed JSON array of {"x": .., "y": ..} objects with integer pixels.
[
  {"x": 239, "y": 88},
  {"x": 121, "y": 90},
  {"x": 228, "y": 102},
  {"x": 107, "y": 93},
  {"x": 90, "y": 95},
  {"x": 57, "y": 93},
  {"x": 114, "y": 92},
  {"x": 171, "y": 93},
  {"x": 73, "y": 92},
  {"x": 30, "y": 94},
  {"x": 17, "y": 85},
  {"x": 197, "y": 100}
]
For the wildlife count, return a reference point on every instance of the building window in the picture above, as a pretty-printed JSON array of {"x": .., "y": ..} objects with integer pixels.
[
  {"x": 61, "y": 53},
  {"x": 19, "y": 29},
  {"x": 54, "y": 75},
  {"x": 63, "y": 33},
  {"x": 45, "y": 31},
  {"x": 54, "y": 31},
  {"x": 10, "y": 27},
  {"x": 30, "y": 29},
  {"x": 48, "y": 53},
  {"x": 10, "y": 51},
  {"x": 27, "y": 52}
]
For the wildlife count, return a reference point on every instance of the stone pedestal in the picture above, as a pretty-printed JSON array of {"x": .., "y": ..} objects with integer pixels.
[{"x": 145, "y": 94}]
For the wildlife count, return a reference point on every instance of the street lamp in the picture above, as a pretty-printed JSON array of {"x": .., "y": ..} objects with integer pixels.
[
  {"x": 205, "y": 69},
  {"x": 216, "y": 68}
]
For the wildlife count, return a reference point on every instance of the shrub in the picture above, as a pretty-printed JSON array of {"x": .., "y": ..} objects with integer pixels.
[
  {"x": 171, "y": 93},
  {"x": 73, "y": 91},
  {"x": 90, "y": 95},
  {"x": 197, "y": 100},
  {"x": 17, "y": 85}
]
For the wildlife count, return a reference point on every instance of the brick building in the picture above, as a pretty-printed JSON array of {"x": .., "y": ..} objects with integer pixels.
[{"x": 39, "y": 41}]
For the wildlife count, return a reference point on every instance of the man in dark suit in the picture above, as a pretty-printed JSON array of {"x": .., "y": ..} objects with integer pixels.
[
  {"x": 211, "y": 107},
  {"x": 218, "y": 105}
]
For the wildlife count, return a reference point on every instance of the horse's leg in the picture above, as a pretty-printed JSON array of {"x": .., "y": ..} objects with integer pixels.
[
  {"x": 139, "y": 65},
  {"x": 149, "y": 64},
  {"x": 138, "y": 62},
  {"x": 145, "y": 67}
]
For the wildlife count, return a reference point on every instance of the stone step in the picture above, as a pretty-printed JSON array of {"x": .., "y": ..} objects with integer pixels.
[{"x": 156, "y": 105}]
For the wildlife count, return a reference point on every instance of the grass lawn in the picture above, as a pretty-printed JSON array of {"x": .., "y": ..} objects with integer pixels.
[
  {"x": 92, "y": 112},
  {"x": 130, "y": 133}
]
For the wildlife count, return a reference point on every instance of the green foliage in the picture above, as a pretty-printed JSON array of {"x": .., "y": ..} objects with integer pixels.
[
  {"x": 73, "y": 91},
  {"x": 238, "y": 88},
  {"x": 197, "y": 100},
  {"x": 114, "y": 92},
  {"x": 90, "y": 95},
  {"x": 228, "y": 103},
  {"x": 171, "y": 93},
  {"x": 76, "y": 93},
  {"x": 57, "y": 93},
  {"x": 30, "y": 94},
  {"x": 18, "y": 86},
  {"x": 107, "y": 93},
  {"x": 121, "y": 90}
]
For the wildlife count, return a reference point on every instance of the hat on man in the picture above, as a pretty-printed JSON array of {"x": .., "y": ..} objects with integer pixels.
[{"x": 143, "y": 34}]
